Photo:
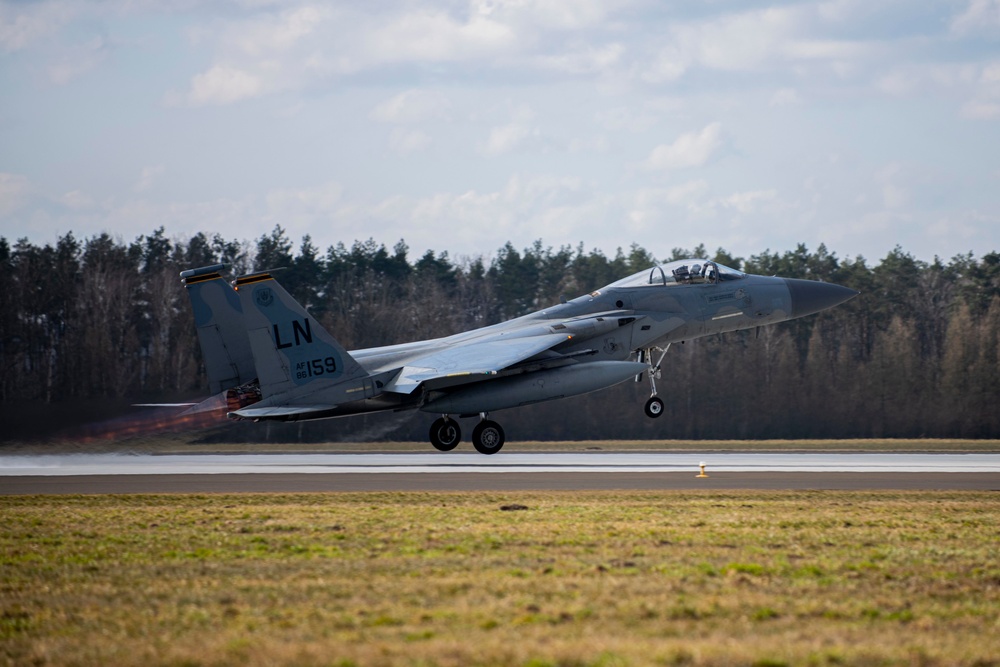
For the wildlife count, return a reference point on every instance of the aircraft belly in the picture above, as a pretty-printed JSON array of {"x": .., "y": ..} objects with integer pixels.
[
  {"x": 514, "y": 391},
  {"x": 381, "y": 403}
]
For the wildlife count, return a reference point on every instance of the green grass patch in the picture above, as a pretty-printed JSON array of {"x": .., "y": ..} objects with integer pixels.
[{"x": 585, "y": 578}]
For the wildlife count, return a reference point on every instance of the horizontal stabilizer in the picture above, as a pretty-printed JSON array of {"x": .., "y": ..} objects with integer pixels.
[
  {"x": 280, "y": 411},
  {"x": 210, "y": 404},
  {"x": 162, "y": 405}
]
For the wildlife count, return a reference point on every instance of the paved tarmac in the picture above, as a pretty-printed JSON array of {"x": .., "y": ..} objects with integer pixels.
[{"x": 460, "y": 471}]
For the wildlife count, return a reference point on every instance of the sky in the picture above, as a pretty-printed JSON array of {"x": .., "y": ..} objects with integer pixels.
[{"x": 460, "y": 126}]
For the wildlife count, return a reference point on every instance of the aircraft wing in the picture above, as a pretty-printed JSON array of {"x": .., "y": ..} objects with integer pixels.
[{"x": 474, "y": 357}]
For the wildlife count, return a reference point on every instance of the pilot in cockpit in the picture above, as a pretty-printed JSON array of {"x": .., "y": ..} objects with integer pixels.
[{"x": 696, "y": 273}]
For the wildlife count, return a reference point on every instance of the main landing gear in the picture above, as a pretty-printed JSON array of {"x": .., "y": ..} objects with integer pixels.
[
  {"x": 654, "y": 406},
  {"x": 487, "y": 436},
  {"x": 445, "y": 434}
]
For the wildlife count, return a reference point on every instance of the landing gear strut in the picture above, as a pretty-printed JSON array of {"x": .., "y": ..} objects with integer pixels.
[
  {"x": 445, "y": 434},
  {"x": 488, "y": 436},
  {"x": 654, "y": 406}
]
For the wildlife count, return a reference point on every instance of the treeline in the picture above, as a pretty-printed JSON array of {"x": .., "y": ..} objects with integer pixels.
[{"x": 102, "y": 322}]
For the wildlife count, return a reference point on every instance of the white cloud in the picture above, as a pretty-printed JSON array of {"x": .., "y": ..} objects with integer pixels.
[
  {"x": 79, "y": 61},
  {"x": 224, "y": 85},
  {"x": 412, "y": 106},
  {"x": 408, "y": 141},
  {"x": 269, "y": 52},
  {"x": 77, "y": 200},
  {"x": 979, "y": 16},
  {"x": 951, "y": 228},
  {"x": 147, "y": 177},
  {"x": 899, "y": 82},
  {"x": 14, "y": 191},
  {"x": 622, "y": 92},
  {"x": 526, "y": 207},
  {"x": 649, "y": 209},
  {"x": 981, "y": 110},
  {"x": 687, "y": 192},
  {"x": 789, "y": 37},
  {"x": 506, "y": 138},
  {"x": 893, "y": 181},
  {"x": 593, "y": 144},
  {"x": 692, "y": 149},
  {"x": 747, "y": 202},
  {"x": 785, "y": 97},
  {"x": 265, "y": 34},
  {"x": 317, "y": 201},
  {"x": 22, "y": 24},
  {"x": 739, "y": 41},
  {"x": 668, "y": 65},
  {"x": 629, "y": 119},
  {"x": 551, "y": 14},
  {"x": 263, "y": 53},
  {"x": 436, "y": 37},
  {"x": 985, "y": 104},
  {"x": 588, "y": 60},
  {"x": 757, "y": 38},
  {"x": 292, "y": 49}
]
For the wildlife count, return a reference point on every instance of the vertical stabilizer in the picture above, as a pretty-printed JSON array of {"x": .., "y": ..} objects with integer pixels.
[
  {"x": 222, "y": 334},
  {"x": 290, "y": 348}
]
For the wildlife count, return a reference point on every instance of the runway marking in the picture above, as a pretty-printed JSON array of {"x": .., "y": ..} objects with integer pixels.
[{"x": 435, "y": 462}]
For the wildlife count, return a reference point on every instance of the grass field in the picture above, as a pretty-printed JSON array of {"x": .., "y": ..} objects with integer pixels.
[{"x": 587, "y": 578}]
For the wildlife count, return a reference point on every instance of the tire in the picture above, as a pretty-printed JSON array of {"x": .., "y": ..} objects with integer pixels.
[
  {"x": 654, "y": 407},
  {"x": 445, "y": 434},
  {"x": 487, "y": 437}
]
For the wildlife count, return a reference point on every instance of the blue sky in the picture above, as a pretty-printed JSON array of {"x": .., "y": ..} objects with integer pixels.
[{"x": 460, "y": 126}]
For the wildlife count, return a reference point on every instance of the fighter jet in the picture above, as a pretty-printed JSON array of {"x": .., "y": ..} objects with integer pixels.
[{"x": 269, "y": 359}]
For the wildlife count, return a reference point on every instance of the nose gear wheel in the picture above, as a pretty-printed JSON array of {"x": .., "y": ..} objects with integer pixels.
[{"x": 654, "y": 407}]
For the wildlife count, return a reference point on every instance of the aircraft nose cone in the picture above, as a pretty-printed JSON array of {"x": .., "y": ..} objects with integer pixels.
[{"x": 810, "y": 296}]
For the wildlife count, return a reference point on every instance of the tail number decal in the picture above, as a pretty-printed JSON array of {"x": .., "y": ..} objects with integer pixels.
[
  {"x": 301, "y": 331},
  {"x": 314, "y": 368}
]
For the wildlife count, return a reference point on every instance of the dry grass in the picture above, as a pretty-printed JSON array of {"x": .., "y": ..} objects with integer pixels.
[{"x": 613, "y": 578}]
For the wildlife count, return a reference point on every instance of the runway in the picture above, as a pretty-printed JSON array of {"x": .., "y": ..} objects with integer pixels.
[{"x": 461, "y": 471}]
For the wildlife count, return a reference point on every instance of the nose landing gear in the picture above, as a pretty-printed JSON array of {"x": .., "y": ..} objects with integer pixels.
[{"x": 654, "y": 406}]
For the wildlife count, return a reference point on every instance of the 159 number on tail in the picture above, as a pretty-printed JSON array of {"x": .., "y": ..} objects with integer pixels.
[{"x": 315, "y": 368}]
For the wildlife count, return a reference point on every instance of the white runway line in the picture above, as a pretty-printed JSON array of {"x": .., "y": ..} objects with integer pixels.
[{"x": 468, "y": 462}]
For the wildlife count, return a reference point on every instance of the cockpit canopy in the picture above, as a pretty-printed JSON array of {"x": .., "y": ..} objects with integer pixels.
[{"x": 681, "y": 272}]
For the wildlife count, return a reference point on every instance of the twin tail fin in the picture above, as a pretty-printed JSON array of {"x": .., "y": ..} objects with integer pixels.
[{"x": 290, "y": 348}]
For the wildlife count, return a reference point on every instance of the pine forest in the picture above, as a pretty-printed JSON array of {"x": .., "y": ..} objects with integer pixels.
[{"x": 89, "y": 327}]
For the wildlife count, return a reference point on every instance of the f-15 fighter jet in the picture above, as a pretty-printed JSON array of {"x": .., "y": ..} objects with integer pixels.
[{"x": 271, "y": 360}]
